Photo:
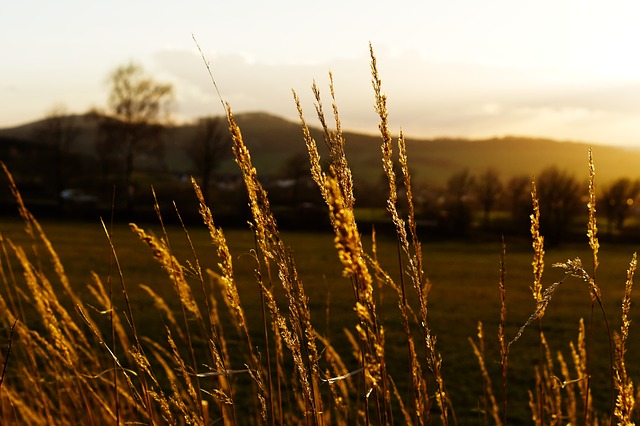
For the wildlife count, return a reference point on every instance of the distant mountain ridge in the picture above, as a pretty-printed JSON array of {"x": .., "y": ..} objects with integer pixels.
[{"x": 273, "y": 140}]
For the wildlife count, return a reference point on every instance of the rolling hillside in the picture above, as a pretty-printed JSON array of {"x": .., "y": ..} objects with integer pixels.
[{"x": 273, "y": 140}]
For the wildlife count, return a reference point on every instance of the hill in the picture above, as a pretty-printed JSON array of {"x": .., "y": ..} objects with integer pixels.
[{"x": 273, "y": 140}]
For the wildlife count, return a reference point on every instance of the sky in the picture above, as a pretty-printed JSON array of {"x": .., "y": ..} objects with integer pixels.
[{"x": 563, "y": 69}]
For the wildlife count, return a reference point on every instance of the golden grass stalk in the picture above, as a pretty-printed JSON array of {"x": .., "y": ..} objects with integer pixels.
[
  {"x": 337, "y": 191},
  {"x": 370, "y": 332},
  {"x": 226, "y": 282},
  {"x": 545, "y": 299},
  {"x": 292, "y": 341},
  {"x": 187, "y": 380},
  {"x": 162, "y": 253},
  {"x": 538, "y": 248},
  {"x": 225, "y": 264},
  {"x": 420, "y": 394},
  {"x": 575, "y": 268},
  {"x": 552, "y": 392},
  {"x": 220, "y": 354},
  {"x": 542, "y": 403},
  {"x": 592, "y": 231},
  {"x": 580, "y": 363},
  {"x": 335, "y": 142},
  {"x": 265, "y": 226},
  {"x": 176, "y": 399},
  {"x": 162, "y": 307},
  {"x": 26, "y": 215},
  {"x": 43, "y": 296},
  {"x": 144, "y": 397},
  {"x": 58, "y": 360},
  {"x": 538, "y": 296},
  {"x": 171, "y": 265},
  {"x": 625, "y": 399},
  {"x": 130, "y": 394},
  {"x": 9, "y": 281},
  {"x": 317, "y": 174},
  {"x": 339, "y": 389},
  {"x": 99, "y": 292},
  {"x": 492, "y": 404},
  {"x": 408, "y": 419},
  {"x": 7, "y": 354},
  {"x": 33, "y": 228},
  {"x": 592, "y": 228},
  {"x": 62, "y": 276},
  {"x": 272, "y": 248},
  {"x": 502, "y": 339}
]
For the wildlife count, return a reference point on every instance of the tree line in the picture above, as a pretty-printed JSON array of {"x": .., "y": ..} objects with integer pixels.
[
  {"x": 482, "y": 202},
  {"x": 129, "y": 135},
  {"x": 487, "y": 202}
]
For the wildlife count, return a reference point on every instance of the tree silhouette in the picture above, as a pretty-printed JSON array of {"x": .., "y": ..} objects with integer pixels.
[
  {"x": 617, "y": 199},
  {"x": 488, "y": 189},
  {"x": 210, "y": 144},
  {"x": 458, "y": 205},
  {"x": 518, "y": 192},
  {"x": 58, "y": 132},
  {"x": 108, "y": 147},
  {"x": 296, "y": 169},
  {"x": 138, "y": 110},
  {"x": 559, "y": 195}
]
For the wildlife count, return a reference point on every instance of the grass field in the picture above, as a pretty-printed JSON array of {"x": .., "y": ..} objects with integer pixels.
[
  {"x": 464, "y": 278},
  {"x": 260, "y": 326}
]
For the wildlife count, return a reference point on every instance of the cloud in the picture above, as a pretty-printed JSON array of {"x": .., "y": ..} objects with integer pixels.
[
  {"x": 246, "y": 85},
  {"x": 424, "y": 99}
]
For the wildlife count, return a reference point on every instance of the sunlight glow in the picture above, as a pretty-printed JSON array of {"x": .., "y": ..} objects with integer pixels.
[{"x": 563, "y": 68}]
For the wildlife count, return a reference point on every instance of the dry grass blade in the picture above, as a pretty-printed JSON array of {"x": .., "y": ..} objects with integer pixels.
[
  {"x": 413, "y": 252},
  {"x": 538, "y": 247},
  {"x": 7, "y": 353},
  {"x": 332, "y": 380},
  {"x": 173, "y": 268},
  {"x": 625, "y": 399},
  {"x": 335, "y": 142},
  {"x": 502, "y": 339},
  {"x": 478, "y": 350},
  {"x": 544, "y": 301},
  {"x": 312, "y": 148},
  {"x": 592, "y": 228},
  {"x": 223, "y": 373},
  {"x": 273, "y": 250},
  {"x": 351, "y": 254}
]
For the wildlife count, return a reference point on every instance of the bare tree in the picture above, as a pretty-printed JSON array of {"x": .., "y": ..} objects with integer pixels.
[
  {"x": 618, "y": 198},
  {"x": 210, "y": 144},
  {"x": 488, "y": 189},
  {"x": 138, "y": 107},
  {"x": 58, "y": 132}
]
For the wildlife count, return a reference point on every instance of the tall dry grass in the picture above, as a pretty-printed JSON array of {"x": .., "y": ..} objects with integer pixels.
[{"x": 67, "y": 360}]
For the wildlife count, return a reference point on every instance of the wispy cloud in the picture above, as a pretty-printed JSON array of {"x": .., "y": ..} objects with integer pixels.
[{"x": 425, "y": 99}]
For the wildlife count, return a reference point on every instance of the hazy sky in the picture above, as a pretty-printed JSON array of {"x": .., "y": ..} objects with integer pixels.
[{"x": 567, "y": 69}]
